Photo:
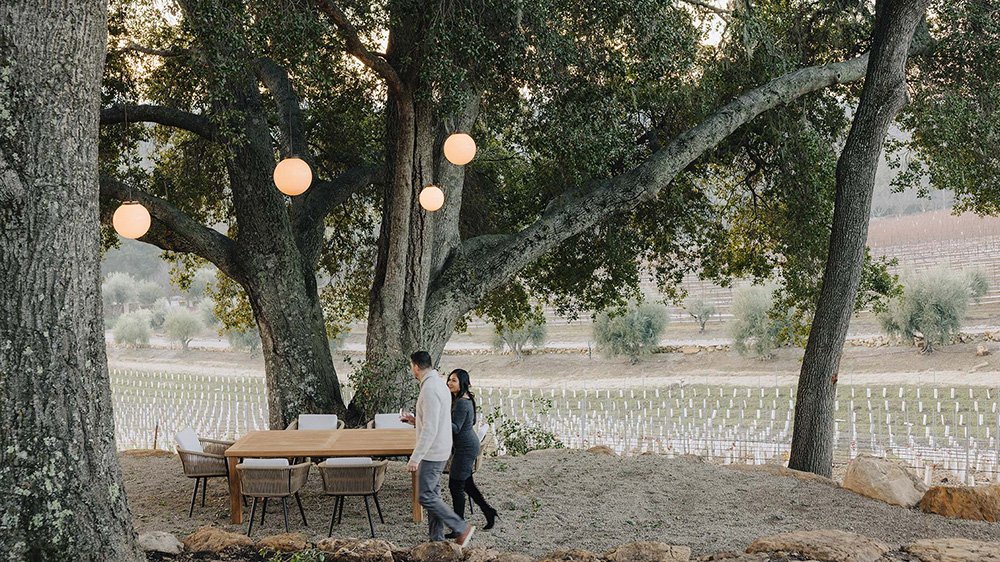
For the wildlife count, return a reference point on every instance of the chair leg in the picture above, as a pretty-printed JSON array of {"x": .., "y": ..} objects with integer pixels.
[
  {"x": 368, "y": 509},
  {"x": 379, "y": 508},
  {"x": 333, "y": 518},
  {"x": 204, "y": 486},
  {"x": 340, "y": 516},
  {"x": 263, "y": 512},
  {"x": 253, "y": 515},
  {"x": 194, "y": 497},
  {"x": 284, "y": 508},
  {"x": 301, "y": 511}
]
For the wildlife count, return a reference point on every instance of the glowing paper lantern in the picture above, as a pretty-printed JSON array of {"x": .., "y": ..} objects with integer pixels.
[
  {"x": 131, "y": 220},
  {"x": 459, "y": 149},
  {"x": 431, "y": 198},
  {"x": 292, "y": 176}
]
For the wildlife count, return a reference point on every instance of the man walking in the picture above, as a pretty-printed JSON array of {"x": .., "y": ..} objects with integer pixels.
[{"x": 433, "y": 422}]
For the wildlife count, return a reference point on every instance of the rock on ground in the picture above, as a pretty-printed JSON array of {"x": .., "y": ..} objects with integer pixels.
[
  {"x": 571, "y": 555},
  {"x": 442, "y": 551},
  {"x": 158, "y": 541},
  {"x": 603, "y": 450},
  {"x": 357, "y": 550},
  {"x": 213, "y": 540},
  {"x": 826, "y": 544},
  {"x": 480, "y": 553},
  {"x": 285, "y": 542},
  {"x": 649, "y": 551},
  {"x": 981, "y": 503},
  {"x": 514, "y": 557},
  {"x": 883, "y": 480},
  {"x": 954, "y": 550}
]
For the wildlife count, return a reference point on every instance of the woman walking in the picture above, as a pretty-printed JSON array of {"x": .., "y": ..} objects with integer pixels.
[{"x": 465, "y": 448}]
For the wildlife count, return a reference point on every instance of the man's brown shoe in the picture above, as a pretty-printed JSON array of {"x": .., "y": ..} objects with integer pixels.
[{"x": 465, "y": 538}]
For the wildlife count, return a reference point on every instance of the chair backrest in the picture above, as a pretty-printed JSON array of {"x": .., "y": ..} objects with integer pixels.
[
  {"x": 187, "y": 440},
  {"x": 390, "y": 421},
  {"x": 347, "y": 461},
  {"x": 265, "y": 463},
  {"x": 482, "y": 432},
  {"x": 317, "y": 421}
]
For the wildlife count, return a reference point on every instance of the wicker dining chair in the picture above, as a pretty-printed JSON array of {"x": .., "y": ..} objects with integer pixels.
[
  {"x": 201, "y": 459},
  {"x": 388, "y": 421},
  {"x": 353, "y": 476},
  {"x": 272, "y": 478}
]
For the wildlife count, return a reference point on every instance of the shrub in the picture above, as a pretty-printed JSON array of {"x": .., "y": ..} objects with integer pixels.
[
  {"x": 701, "y": 310},
  {"x": 244, "y": 341},
  {"x": 933, "y": 305},
  {"x": 755, "y": 331},
  {"x": 634, "y": 332},
  {"x": 181, "y": 326},
  {"x": 516, "y": 438},
  {"x": 148, "y": 292},
  {"x": 132, "y": 329},
  {"x": 516, "y": 338},
  {"x": 118, "y": 289},
  {"x": 376, "y": 393},
  {"x": 159, "y": 312}
]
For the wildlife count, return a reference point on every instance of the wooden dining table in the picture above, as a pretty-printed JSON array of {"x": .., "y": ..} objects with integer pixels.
[{"x": 318, "y": 443}]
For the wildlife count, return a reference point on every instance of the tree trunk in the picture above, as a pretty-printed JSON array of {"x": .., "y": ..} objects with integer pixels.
[
  {"x": 883, "y": 95},
  {"x": 63, "y": 497}
]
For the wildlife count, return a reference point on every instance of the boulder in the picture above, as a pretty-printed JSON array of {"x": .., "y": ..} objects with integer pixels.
[
  {"x": 285, "y": 542},
  {"x": 602, "y": 450},
  {"x": 828, "y": 545},
  {"x": 982, "y": 350},
  {"x": 357, "y": 550},
  {"x": 213, "y": 540},
  {"x": 883, "y": 480},
  {"x": 954, "y": 550},
  {"x": 161, "y": 542},
  {"x": 480, "y": 553},
  {"x": 571, "y": 555},
  {"x": 649, "y": 551},
  {"x": 442, "y": 551},
  {"x": 981, "y": 503},
  {"x": 690, "y": 349}
]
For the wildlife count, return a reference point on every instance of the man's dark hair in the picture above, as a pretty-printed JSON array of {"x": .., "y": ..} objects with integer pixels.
[{"x": 421, "y": 359}]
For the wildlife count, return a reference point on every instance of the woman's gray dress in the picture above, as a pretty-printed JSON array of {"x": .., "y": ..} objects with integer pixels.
[{"x": 465, "y": 447}]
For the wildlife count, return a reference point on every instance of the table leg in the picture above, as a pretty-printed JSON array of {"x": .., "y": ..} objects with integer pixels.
[
  {"x": 235, "y": 498},
  {"x": 418, "y": 511}
]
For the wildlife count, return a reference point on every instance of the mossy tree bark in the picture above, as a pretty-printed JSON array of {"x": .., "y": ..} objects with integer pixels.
[
  {"x": 62, "y": 496},
  {"x": 883, "y": 95}
]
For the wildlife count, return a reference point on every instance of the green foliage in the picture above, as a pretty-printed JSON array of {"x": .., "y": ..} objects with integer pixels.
[
  {"x": 633, "y": 332},
  {"x": 933, "y": 305},
  {"x": 308, "y": 555},
  {"x": 516, "y": 335},
  {"x": 754, "y": 328},
  {"x": 376, "y": 393},
  {"x": 132, "y": 329},
  {"x": 158, "y": 312},
  {"x": 518, "y": 438},
  {"x": 118, "y": 290},
  {"x": 182, "y": 325},
  {"x": 244, "y": 341},
  {"x": 701, "y": 310},
  {"x": 148, "y": 292}
]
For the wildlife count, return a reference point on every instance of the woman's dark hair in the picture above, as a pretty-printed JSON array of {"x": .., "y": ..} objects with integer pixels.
[{"x": 463, "y": 388}]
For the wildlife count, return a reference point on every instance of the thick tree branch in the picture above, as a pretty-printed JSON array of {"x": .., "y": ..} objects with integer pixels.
[
  {"x": 468, "y": 278},
  {"x": 354, "y": 46},
  {"x": 293, "y": 136},
  {"x": 311, "y": 209},
  {"x": 721, "y": 12},
  {"x": 174, "y": 230},
  {"x": 197, "y": 124}
]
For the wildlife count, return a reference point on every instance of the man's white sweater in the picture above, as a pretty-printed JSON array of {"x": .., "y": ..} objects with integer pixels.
[{"x": 433, "y": 420}]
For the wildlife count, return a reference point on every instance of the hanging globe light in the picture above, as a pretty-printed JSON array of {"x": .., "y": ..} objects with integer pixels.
[
  {"x": 292, "y": 176},
  {"x": 131, "y": 220},
  {"x": 431, "y": 198},
  {"x": 459, "y": 149}
]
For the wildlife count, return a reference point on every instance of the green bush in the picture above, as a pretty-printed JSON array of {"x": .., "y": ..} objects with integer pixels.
[
  {"x": 181, "y": 326},
  {"x": 148, "y": 292},
  {"x": 701, "y": 310},
  {"x": 244, "y": 341},
  {"x": 118, "y": 289},
  {"x": 375, "y": 392},
  {"x": 516, "y": 438},
  {"x": 132, "y": 329},
  {"x": 933, "y": 305},
  {"x": 159, "y": 312},
  {"x": 754, "y": 329},
  {"x": 534, "y": 331},
  {"x": 634, "y": 332}
]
